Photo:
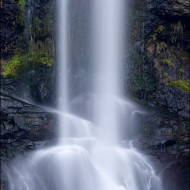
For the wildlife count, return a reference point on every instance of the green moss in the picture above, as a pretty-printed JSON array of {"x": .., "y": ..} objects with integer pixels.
[
  {"x": 43, "y": 47},
  {"x": 22, "y": 63},
  {"x": 153, "y": 37},
  {"x": 168, "y": 62},
  {"x": 160, "y": 29},
  {"x": 42, "y": 28},
  {"x": 42, "y": 59},
  {"x": 165, "y": 74},
  {"x": 184, "y": 84},
  {"x": 46, "y": 61},
  {"x": 160, "y": 47},
  {"x": 181, "y": 70},
  {"x": 21, "y": 5},
  {"x": 11, "y": 68}
]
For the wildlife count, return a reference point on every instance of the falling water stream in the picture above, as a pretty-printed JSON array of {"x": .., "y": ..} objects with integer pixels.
[{"x": 89, "y": 154}]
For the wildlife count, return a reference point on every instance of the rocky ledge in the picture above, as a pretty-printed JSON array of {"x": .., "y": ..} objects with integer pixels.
[
  {"x": 166, "y": 138},
  {"x": 23, "y": 126}
]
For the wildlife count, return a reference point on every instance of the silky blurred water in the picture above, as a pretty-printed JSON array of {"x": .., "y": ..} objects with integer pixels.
[{"x": 93, "y": 119}]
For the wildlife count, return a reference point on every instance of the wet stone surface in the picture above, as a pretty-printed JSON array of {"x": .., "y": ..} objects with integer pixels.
[{"x": 23, "y": 127}]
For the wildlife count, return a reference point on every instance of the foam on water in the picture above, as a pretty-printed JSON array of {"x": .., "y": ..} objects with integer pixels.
[{"x": 83, "y": 164}]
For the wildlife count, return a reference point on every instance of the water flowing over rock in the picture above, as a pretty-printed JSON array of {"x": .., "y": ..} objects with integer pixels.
[
  {"x": 89, "y": 153},
  {"x": 156, "y": 76}
]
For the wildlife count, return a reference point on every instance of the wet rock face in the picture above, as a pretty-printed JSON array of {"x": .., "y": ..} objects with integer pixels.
[
  {"x": 171, "y": 8},
  {"x": 179, "y": 174},
  {"x": 10, "y": 31},
  {"x": 166, "y": 131},
  {"x": 42, "y": 86},
  {"x": 166, "y": 138},
  {"x": 12, "y": 25},
  {"x": 35, "y": 82},
  {"x": 174, "y": 100},
  {"x": 174, "y": 15},
  {"x": 167, "y": 48},
  {"x": 163, "y": 51},
  {"x": 38, "y": 86},
  {"x": 23, "y": 127}
]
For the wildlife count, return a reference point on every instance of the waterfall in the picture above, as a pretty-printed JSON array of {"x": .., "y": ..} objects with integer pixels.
[
  {"x": 62, "y": 58},
  {"x": 107, "y": 36},
  {"x": 89, "y": 154}
]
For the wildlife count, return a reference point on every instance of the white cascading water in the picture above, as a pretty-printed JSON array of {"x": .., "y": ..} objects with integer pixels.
[{"x": 89, "y": 154}]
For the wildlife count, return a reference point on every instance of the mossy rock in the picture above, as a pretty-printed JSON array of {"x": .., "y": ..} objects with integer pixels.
[
  {"x": 22, "y": 11},
  {"x": 183, "y": 84},
  {"x": 22, "y": 63}
]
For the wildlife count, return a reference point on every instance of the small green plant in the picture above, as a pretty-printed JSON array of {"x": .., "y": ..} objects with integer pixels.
[
  {"x": 168, "y": 62},
  {"x": 165, "y": 74},
  {"x": 160, "y": 29},
  {"x": 161, "y": 47},
  {"x": 184, "y": 84},
  {"x": 44, "y": 59},
  {"x": 153, "y": 37},
  {"x": 42, "y": 27}
]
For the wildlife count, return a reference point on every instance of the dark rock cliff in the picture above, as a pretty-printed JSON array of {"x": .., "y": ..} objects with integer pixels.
[
  {"x": 23, "y": 127},
  {"x": 164, "y": 51},
  {"x": 160, "y": 80},
  {"x": 167, "y": 45},
  {"x": 11, "y": 30},
  {"x": 27, "y": 49}
]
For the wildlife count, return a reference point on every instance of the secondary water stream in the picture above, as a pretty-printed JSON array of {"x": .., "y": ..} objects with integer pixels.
[{"x": 93, "y": 119}]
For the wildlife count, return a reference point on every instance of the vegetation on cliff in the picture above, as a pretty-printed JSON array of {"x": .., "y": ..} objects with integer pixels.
[
  {"x": 157, "y": 65},
  {"x": 22, "y": 11},
  {"x": 23, "y": 63},
  {"x": 160, "y": 56},
  {"x": 181, "y": 84},
  {"x": 36, "y": 47}
]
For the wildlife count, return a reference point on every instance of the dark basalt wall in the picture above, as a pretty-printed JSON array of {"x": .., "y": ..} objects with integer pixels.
[
  {"x": 11, "y": 30},
  {"x": 164, "y": 52},
  {"x": 24, "y": 127},
  {"x": 27, "y": 49},
  {"x": 159, "y": 80}
]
